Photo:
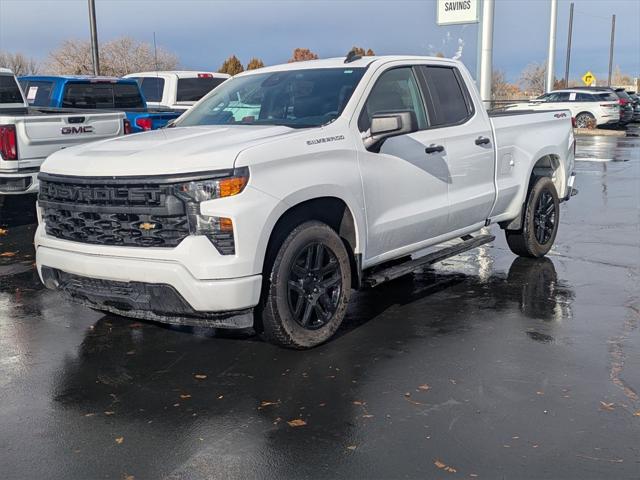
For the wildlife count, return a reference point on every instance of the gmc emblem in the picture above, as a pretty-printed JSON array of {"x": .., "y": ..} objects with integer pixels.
[{"x": 76, "y": 130}]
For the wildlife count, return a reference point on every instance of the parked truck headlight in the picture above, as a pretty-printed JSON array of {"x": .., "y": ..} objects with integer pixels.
[
  {"x": 203, "y": 190},
  {"x": 219, "y": 230}
]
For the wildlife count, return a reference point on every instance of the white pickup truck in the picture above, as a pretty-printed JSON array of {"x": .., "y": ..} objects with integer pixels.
[
  {"x": 177, "y": 90},
  {"x": 289, "y": 186},
  {"x": 28, "y": 135}
]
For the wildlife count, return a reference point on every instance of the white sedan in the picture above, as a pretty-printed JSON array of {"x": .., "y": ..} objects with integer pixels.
[{"x": 590, "y": 108}]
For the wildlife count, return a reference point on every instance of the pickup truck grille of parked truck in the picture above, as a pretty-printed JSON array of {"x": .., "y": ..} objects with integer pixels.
[{"x": 130, "y": 212}]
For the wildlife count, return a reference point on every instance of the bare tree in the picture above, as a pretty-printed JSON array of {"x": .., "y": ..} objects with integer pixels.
[
  {"x": 302, "y": 54},
  {"x": 362, "y": 52},
  {"x": 503, "y": 90},
  {"x": 254, "y": 64},
  {"x": 232, "y": 66},
  {"x": 19, "y": 63},
  {"x": 620, "y": 79},
  {"x": 118, "y": 57},
  {"x": 532, "y": 79}
]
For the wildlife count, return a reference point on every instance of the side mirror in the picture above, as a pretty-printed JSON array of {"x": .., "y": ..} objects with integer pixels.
[{"x": 386, "y": 125}]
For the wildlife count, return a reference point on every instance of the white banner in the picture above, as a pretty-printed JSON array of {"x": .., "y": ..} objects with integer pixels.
[{"x": 451, "y": 12}]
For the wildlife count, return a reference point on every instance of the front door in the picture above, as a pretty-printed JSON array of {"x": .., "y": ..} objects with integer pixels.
[{"x": 405, "y": 188}]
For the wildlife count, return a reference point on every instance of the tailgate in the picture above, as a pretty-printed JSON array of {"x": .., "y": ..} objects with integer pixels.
[{"x": 41, "y": 135}]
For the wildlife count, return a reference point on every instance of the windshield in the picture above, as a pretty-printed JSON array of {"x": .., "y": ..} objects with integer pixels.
[{"x": 295, "y": 98}]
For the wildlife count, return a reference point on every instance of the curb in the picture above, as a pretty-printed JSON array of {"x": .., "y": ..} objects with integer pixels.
[{"x": 596, "y": 132}]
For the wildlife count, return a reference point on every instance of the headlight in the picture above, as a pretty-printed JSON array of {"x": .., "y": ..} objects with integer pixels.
[
  {"x": 219, "y": 230},
  {"x": 203, "y": 190}
]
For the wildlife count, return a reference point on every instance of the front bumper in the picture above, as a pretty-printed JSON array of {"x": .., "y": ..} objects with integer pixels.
[{"x": 160, "y": 290}]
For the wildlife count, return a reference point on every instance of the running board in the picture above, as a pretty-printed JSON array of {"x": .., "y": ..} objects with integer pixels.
[{"x": 397, "y": 271}]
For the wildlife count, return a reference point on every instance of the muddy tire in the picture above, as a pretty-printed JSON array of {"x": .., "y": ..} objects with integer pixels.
[
  {"x": 308, "y": 288},
  {"x": 540, "y": 222}
]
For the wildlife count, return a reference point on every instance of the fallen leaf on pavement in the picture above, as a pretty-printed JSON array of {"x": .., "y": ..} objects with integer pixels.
[
  {"x": 444, "y": 466},
  {"x": 351, "y": 447},
  {"x": 358, "y": 402},
  {"x": 266, "y": 403},
  {"x": 109, "y": 412},
  {"x": 637, "y": 414},
  {"x": 119, "y": 440},
  {"x": 200, "y": 376},
  {"x": 89, "y": 414},
  {"x": 424, "y": 387},
  {"x": 297, "y": 422},
  {"x": 367, "y": 416},
  {"x": 129, "y": 477},
  {"x": 184, "y": 396},
  {"x": 8, "y": 254},
  {"x": 3, "y": 231},
  {"x": 607, "y": 406}
]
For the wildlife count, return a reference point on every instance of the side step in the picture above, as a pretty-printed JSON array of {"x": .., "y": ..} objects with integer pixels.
[{"x": 396, "y": 271}]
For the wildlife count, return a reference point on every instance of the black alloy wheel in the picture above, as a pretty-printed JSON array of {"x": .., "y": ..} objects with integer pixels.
[
  {"x": 314, "y": 286},
  {"x": 544, "y": 218}
]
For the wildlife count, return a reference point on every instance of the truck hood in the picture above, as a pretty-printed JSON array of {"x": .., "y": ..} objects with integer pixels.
[{"x": 162, "y": 152}]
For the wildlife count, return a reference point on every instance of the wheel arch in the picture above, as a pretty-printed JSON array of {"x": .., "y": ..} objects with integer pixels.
[
  {"x": 329, "y": 209},
  {"x": 547, "y": 165}
]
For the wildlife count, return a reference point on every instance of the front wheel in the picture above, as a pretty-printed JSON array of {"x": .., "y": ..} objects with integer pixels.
[
  {"x": 308, "y": 289},
  {"x": 540, "y": 222}
]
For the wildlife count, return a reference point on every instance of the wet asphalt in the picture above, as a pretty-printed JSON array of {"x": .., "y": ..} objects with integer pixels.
[{"x": 486, "y": 366}]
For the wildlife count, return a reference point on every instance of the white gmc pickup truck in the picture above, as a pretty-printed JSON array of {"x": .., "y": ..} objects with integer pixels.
[
  {"x": 28, "y": 135},
  {"x": 287, "y": 187}
]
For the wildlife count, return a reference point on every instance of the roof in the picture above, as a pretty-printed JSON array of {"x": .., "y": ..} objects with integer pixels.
[
  {"x": 5, "y": 71},
  {"x": 339, "y": 62},
  {"x": 179, "y": 73},
  {"x": 77, "y": 77},
  {"x": 581, "y": 90}
]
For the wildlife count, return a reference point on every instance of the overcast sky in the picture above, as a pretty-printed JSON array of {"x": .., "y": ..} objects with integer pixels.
[{"x": 204, "y": 32}]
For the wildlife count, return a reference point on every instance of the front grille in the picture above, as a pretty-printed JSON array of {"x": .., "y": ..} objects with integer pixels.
[{"x": 104, "y": 212}]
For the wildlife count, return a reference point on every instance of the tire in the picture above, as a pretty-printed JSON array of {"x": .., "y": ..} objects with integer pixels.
[
  {"x": 540, "y": 223},
  {"x": 308, "y": 288},
  {"x": 585, "y": 120}
]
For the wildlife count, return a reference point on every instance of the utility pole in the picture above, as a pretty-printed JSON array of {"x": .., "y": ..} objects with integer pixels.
[
  {"x": 613, "y": 36},
  {"x": 94, "y": 37},
  {"x": 486, "y": 52},
  {"x": 566, "y": 69},
  {"x": 551, "y": 56}
]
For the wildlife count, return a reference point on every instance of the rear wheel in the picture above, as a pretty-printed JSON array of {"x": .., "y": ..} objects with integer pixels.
[
  {"x": 308, "y": 288},
  {"x": 540, "y": 222},
  {"x": 585, "y": 120}
]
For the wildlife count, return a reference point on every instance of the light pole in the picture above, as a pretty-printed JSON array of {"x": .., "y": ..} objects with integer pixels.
[
  {"x": 486, "y": 52},
  {"x": 613, "y": 36},
  {"x": 551, "y": 56},
  {"x": 94, "y": 37},
  {"x": 566, "y": 68}
]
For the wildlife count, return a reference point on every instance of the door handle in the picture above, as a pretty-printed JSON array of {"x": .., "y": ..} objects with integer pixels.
[
  {"x": 482, "y": 141},
  {"x": 434, "y": 149}
]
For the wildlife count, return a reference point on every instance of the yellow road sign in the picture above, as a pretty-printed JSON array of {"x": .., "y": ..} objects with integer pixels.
[{"x": 589, "y": 79}]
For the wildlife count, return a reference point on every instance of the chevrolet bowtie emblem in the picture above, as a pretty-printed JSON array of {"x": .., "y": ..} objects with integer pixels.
[{"x": 147, "y": 226}]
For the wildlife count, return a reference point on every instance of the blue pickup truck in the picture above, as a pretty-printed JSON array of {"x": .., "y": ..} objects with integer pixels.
[{"x": 99, "y": 93}]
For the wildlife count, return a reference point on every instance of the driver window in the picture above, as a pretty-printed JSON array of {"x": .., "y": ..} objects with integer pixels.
[{"x": 395, "y": 90}]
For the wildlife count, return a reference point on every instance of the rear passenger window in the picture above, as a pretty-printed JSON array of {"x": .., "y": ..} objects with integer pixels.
[
  {"x": 585, "y": 97},
  {"x": 448, "y": 100}
]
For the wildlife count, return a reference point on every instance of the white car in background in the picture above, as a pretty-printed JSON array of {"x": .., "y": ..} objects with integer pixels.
[
  {"x": 177, "y": 90},
  {"x": 590, "y": 108}
]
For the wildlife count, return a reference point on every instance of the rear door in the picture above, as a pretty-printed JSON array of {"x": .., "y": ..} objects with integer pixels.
[{"x": 468, "y": 145}]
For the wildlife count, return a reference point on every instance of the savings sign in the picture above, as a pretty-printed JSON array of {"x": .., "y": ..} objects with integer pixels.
[{"x": 451, "y": 12}]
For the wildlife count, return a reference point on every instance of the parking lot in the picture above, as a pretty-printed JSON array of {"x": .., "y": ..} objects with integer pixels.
[{"x": 486, "y": 366}]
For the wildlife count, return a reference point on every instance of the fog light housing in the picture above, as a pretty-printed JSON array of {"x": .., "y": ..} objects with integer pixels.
[{"x": 219, "y": 231}]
